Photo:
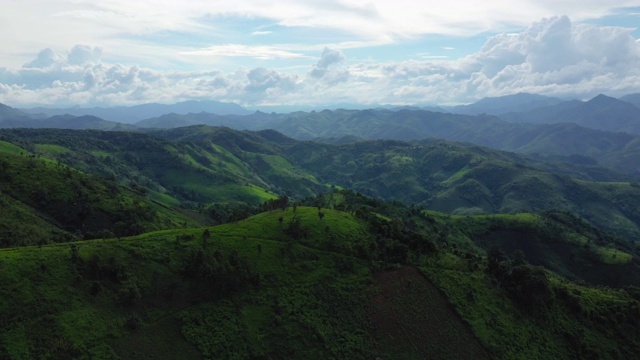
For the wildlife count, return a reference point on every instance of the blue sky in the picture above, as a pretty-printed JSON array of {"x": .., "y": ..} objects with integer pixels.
[{"x": 315, "y": 53}]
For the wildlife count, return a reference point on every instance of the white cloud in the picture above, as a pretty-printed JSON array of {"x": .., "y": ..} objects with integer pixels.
[
  {"x": 121, "y": 25},
  {"x": 82, "y": 54},
  {"x": 259, "y": 33},
  {"x": 46, "y": 58},
  {"x": 258, "y": 52},
  {"x": 553, "y": 57},
  {"x": 327, "y": 58}
]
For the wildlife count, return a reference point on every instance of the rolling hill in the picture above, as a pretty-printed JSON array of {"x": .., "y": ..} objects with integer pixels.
[
  {"x": 382, "y": 280},
  {"x": 202, "y": 165},
  {"x": 349, "y": 248},
  {"x": 45, "y": 201},
  {"x": 563, "y": 142},
  {"x": 558, "y": 142}
]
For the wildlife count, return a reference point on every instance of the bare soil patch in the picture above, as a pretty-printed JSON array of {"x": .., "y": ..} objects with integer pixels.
[{"x": 412, "y": 319}]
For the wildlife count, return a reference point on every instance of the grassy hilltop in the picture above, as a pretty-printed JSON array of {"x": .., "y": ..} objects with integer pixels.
[{"x": 307, "y": 286}]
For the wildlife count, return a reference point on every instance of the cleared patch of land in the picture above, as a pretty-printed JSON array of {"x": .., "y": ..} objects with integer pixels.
[{"x": 413, "y": 320}]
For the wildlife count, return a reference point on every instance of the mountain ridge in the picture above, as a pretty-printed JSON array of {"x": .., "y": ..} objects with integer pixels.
[
  {"x": 135, "y": 113},
  {"x": 601, "y": 112}
]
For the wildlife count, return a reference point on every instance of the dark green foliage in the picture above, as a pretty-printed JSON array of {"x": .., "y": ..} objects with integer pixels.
[
  {"x": 222, "y": 213},
  {"x": 72, "y": 203},
  {"x": 295, "y": 229},
  {"x": 273, "y": 204},
  {"x": 216, "y": 276},
  {"x": 560, "y": 242},
  {"x": 527, "y": 285}
]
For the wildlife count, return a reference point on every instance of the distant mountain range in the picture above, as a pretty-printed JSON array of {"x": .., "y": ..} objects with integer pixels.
[
  {"x": 14, "y": 118},
  {"x": 603, "y": 130},
  {"x": 615, "y": 150},
  {"x": 601, "y": 112},
  {"x": 132, "y": 114},
  {"x": 520, "y": 102}
]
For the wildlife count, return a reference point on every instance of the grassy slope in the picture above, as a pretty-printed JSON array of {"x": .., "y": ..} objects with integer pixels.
[
  {"x": 570, "y": 323},
  {"x": 251, "y": 290},
  {"x": 184, "y": 171},
  {"x": 300, "y": 287},
  {"x": 22, "y": 225},
  {"x": 571, "y": 328},
  {"x": 203, "y": 164},
  {"x": 468, "y": 180},
  {"x": 48, "y": 202}
]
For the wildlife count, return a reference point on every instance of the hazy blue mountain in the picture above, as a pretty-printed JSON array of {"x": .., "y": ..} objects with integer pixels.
[
  {"x": 602, "y": 112},
  {"x": 70, "y": 122},
  {"x": 505, "y": 104},
  {"x": 14, "y": 118},
  {"x": 81, "y": 122},
  {"x": 563, "y": 141},
  {"x": 173, "y": 120},
  {"x": 132, "y": 114},
  {"x": 284, "y": 109},
  {"x": 632, "y": 98},
  {"x": 7, "y": 113}
]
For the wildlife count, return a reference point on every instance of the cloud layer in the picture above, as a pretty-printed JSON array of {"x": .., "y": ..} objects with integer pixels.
[{"x": 552, "y": 57}]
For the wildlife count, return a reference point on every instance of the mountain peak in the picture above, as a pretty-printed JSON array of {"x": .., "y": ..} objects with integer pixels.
[{"x": 602, "y": 99}]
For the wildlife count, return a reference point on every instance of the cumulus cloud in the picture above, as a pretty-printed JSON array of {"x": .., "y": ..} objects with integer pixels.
[
  {"x": 45, "y": 58},
  {"x": 552, "y": 56},
  {"x": 553, "y": 53},
  {"x": 82, "y": 54},
  {"x": 78, "y": 55},
  {"x": 327, "y": 58}
]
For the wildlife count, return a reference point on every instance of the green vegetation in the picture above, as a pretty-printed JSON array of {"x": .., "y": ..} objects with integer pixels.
[
  {"x": 52, "y": 149},
  {"x": 291, "y": 283},
  {"x": 199, "y": 165},
  {"x": 105, "y": 254},
  {"x": 92, "y": 292},
  {"x": 7, "y": 147},
  {"x": 48, "y": 202}
]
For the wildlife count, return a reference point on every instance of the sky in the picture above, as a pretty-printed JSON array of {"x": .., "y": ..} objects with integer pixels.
[{"x": 316, "y": 53}]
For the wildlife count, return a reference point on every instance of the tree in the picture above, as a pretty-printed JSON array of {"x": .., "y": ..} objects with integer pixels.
[
  {"x": 206, "y": 235},
  {"x": 75, "y": 256},
  {"x": 295, "y": 229},
  {"x": 129, "y": 292},
  {"x": 283, "y": 201}
]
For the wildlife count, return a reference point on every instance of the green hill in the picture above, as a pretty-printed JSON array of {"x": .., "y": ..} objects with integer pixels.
[
  {"x": 308, "y": 283},
  {"x": 559, "y": 138},
  {"x": 44, "y": 201},
  {"x": 200, "y": 165}
]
